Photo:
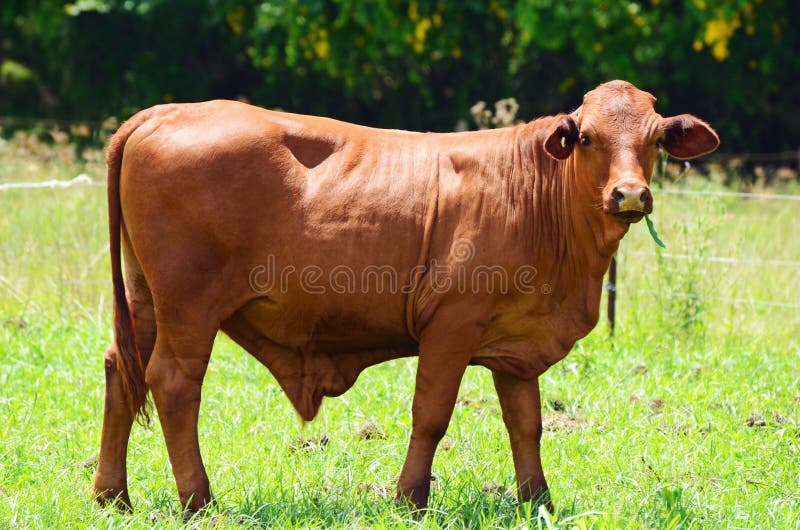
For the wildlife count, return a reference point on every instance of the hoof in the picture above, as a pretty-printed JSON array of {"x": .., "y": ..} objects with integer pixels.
[
  {"x": 414, "y": 499},
  {"x": 113, "y": 497},
  {"x": 197, "y": 503},
  {"x": 540, "y": 497}
]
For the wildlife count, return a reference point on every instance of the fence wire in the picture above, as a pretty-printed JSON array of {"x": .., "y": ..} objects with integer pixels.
[
  {"x": 734, "y": 194},
  {"x": 735, "y": 301},
  {"x": 81, "y": 180},
  {"x": 721, "y": 259},
  {"x": 86, "y": 180}
]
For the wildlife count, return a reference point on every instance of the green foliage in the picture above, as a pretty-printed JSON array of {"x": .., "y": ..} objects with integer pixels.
[
  {"x": 683, "y": 288},
  {"x": 415, "y": 64},
  {"x": 12, "y": 71}
]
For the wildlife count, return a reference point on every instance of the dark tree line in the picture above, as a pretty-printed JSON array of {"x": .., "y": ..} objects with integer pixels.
[{"x": 407, "y": 64}]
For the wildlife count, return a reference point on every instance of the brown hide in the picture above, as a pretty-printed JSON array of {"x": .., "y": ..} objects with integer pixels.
[
  {"x": 491, "y": 247},
  {"x": 214, "y": 191}
]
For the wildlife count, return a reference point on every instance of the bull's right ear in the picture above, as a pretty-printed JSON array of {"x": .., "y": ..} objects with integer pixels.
[
  {"x": 561, "y": 138},
  {"x": 686, "y": 136}
]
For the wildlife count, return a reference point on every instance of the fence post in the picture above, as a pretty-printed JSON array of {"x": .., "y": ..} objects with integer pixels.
[{"x": 611, "y": 287}]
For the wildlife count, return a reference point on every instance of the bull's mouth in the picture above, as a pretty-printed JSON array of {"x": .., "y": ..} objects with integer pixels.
[{"x": 629, "y": 216}]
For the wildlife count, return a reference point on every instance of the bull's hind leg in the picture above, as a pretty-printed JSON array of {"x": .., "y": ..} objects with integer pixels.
[
  {"x": 175, "y": 375},
  {"x": 110, "y": 479}
]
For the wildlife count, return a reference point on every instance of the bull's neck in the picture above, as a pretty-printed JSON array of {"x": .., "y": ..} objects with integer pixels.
[{"x": 570, "y": 236}]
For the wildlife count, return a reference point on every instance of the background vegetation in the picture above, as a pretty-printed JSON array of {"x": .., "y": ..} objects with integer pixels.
[{"x": 408, "y": 64}]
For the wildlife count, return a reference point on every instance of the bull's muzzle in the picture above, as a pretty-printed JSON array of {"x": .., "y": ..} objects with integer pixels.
[{"x": 630, "y": 202}]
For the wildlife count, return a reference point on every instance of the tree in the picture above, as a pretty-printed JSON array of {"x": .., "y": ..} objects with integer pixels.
[{"x": 414, "y": 64}]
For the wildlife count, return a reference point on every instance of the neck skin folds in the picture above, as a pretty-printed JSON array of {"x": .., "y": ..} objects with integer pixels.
[{"x": 569, "y": 233}]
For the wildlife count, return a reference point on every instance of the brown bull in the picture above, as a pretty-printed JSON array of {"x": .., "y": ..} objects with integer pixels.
[{"x": 323, "y": 247}]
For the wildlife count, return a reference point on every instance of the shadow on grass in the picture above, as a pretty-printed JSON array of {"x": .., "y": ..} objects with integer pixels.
[{"x": 293, "y": 508}]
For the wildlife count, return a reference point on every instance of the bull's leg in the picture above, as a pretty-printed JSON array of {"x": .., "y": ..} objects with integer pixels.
[
  {"x": 175, "y": 374},
  {"x": 445, "y": 351},
  {"x": 110, "y": 479},
  {"x": 111, "y": 476},
  {"x": 522, "y": 414}
]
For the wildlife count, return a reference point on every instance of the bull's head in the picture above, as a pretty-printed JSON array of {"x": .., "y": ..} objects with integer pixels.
[{"x": 615, "y": 136}]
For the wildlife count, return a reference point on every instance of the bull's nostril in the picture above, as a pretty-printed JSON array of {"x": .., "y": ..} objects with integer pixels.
[
  {"x": 617, "y": 196},
  {"x": 645, "y": 196}
]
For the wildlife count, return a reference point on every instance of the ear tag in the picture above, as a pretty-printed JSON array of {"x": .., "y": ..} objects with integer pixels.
[{"x": 563, "y": 141}]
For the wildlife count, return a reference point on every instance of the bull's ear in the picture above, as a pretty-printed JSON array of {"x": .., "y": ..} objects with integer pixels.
[
  {"x": 561, "y": 138},
  {"x": 686, "y": 136}
]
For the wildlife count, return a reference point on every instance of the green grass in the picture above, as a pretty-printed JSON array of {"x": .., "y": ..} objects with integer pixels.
[{"x": 688, "y": 418}]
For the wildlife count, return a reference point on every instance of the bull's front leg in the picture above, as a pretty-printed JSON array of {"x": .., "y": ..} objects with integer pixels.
[
  {"x": 446, "y": 346},
  {"x": 522, "y": 414}
]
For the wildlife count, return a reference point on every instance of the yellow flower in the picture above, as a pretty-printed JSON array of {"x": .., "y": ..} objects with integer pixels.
[
  {"x": 322, "y": 48},
  {"x": 235, "y": 19},
  {"x": 566, "y": 85},
  {"x": 422, "y": 28},
  {"x": 718, "y": 33},
  {"x": 420, "y": 34},
  {"x": 719, "y": 30},
  {"x": 498, "y": 10},
  {"x": 697, "y": 45},
  {"x": 413, "y": 11},
  {"x": 720, "y": 50}
]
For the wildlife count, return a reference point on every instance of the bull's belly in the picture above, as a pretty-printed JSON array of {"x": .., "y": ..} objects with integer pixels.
[
  {"x": 311, "y": 360},
  {"x": 307, "y": 329}
]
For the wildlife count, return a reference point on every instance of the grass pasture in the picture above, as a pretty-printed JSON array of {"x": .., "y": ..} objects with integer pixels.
[{"x": 688, "y": 418}]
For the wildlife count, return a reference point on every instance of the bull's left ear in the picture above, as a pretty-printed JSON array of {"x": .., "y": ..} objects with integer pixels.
[
  {"x": 686, "y": 136},
  {"x": 561, "y": 138}
]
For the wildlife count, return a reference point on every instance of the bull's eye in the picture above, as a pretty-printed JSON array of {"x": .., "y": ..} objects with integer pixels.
[{"x": 585, "y": 140}]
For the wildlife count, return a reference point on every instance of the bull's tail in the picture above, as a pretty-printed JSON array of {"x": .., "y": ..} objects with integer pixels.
[{"x": 129, "y": 363}]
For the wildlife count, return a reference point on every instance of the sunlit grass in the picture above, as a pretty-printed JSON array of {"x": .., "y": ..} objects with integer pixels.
[{"x": 689, "y": 417}]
